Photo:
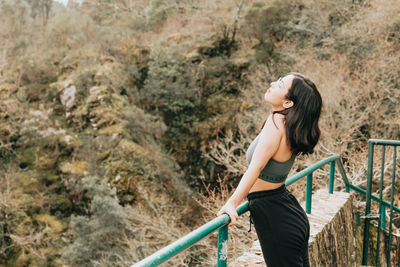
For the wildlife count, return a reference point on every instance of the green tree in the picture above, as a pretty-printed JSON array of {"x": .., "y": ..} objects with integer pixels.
[{"x": 265, "y": 21}]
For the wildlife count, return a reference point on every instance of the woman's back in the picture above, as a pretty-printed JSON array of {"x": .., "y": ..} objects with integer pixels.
[{"x": 277, "y": 168}]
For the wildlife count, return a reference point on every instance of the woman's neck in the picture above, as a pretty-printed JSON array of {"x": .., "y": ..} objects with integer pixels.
[{"x": 274, "y": 108}]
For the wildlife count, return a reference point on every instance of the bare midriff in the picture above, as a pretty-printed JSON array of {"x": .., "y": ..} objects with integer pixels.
[{"x": 261, "y": 185}]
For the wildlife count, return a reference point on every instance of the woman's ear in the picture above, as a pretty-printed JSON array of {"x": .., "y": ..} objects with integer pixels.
[{"x": 288, "y": 104}]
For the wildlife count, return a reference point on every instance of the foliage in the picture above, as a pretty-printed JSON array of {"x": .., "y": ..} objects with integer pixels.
[
  {"x": 98, "y": 235},
  {"x": 156, "y": 13},
  {"x": 265, "y": 21},
  {"x": 168, "y": 87},
  {"x": 196, "y": 101}
]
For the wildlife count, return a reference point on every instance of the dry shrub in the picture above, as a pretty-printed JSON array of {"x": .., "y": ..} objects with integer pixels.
[
  {"x": 24, "y": 239},
  {"x": 359, "y": 92},
  {"x": 111, "y": 234},
  {"x": 151, "y": 224},
  {"x": 71, "y": 30},
  {"x": 158, "y": 224},
  {"x": 195, "y": 21},
  {"x": 229, "y": 153},
  {"x": 167, "y": 228}
]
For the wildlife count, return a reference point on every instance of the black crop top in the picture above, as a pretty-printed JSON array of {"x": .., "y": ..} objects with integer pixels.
[{"x": 274, "y": 171}]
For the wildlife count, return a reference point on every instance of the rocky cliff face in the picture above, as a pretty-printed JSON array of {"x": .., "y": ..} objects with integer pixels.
[{"x": 54, "y": 135}]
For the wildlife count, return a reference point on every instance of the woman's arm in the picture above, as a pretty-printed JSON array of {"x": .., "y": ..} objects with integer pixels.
[{"x": 267, "y": 146}]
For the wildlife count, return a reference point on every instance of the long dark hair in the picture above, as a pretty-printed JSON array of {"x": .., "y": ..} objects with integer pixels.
[{"x": 301, "y": 120}]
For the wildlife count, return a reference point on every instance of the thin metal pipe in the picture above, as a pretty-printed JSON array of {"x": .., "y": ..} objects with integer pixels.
[
  {"x": 309, "y": 193},
  {"x": 331, "y": 177},
  {"x": 387, "y": 204},
  {"x": 222, "y": 246},
  {"x": 383, "y": 217},
  {"x": 368, "y": 201},
  {"x": 381, "y": 206},
  {"x": 391, "y": 206},
  {"x": 343, "y": 173},
  {"x": 311, "y": 169},
  {"x": 384, "y": 142}
]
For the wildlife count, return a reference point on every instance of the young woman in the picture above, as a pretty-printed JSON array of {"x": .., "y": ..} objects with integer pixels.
[{"x": 292, "y": 128}]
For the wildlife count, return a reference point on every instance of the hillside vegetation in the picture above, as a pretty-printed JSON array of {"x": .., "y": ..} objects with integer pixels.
[{"x": 124, "y": 124}]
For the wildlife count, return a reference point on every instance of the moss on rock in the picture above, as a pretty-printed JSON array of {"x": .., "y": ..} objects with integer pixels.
[{"x": 127, "y": 165}]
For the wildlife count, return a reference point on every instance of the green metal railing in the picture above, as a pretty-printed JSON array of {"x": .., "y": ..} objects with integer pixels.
[
  {"x": 381, "y": 216},
  {"x": 221, "y": 223}
]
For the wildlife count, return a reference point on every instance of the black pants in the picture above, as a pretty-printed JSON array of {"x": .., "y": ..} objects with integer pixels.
[{"x": 282, "y": 227}]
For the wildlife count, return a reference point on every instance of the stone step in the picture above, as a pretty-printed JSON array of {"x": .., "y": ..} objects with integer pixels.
[{"x": 324, "y": 207}]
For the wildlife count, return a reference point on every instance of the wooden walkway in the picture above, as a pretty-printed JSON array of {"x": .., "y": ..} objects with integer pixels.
[{"x": 324, "y": 208}]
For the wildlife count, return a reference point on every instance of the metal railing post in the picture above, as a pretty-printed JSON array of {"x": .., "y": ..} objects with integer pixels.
[
  {"x": 343, "y": 174},
  {"x": 309, "y": 193},
  {"x": 381, "y": 207},
  {"x": 368, "y": 201},
  {"x": 391, "y": 206},
  {"x": 331, "y": 177},
  {"x": 383, "y": 217},
  {"x": 222, "y": 246},
  {"x": 347, "y": 189},
  {"x": 398, "y": 256}
]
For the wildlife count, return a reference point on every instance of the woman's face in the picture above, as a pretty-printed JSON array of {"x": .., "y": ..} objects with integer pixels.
[{"x": 277, "y": 91}]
